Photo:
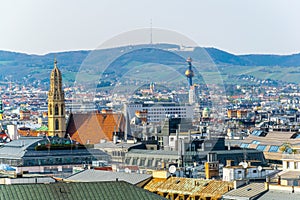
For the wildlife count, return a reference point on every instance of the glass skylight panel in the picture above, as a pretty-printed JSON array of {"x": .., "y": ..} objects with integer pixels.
[
  {"x": 261, "y": 147},
  {"x": 274, "y": 149}
]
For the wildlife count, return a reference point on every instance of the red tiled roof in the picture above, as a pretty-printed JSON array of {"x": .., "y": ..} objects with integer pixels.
[
  {"x": 31, "y": 133},
  {"x": 92, "y": 127}
]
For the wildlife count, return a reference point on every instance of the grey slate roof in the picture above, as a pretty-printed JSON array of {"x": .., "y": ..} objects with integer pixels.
[
  {"x": 25, "y": 147},
  {"x": 246, "y": 192},
  {"x": 294, "y": 174},
  {"x": 113, "y": 145},
  {"x": 17, "y": 148},
  {"x": 91, "y": 175},
  {"x": 278, "y": 194},
  {"x": 76, "y": 191}
]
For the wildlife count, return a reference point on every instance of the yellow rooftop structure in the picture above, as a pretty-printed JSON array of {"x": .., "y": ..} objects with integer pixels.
[{"x": 188, "y": 188}]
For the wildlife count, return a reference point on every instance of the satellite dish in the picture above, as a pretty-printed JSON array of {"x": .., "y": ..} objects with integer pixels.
[
  {"x": 245, "y": 165},
  {"x": 259, "y": 168},
  {"x": 127, "y": 170},
  {"x": 172, "y": 169}
]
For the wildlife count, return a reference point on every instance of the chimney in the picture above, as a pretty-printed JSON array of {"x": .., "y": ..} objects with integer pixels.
[
  {"x": 177, "y": 141},
  {"x": 208, "y": 134},
  {"x": 267, "y": 185},
  {"x": 228, "y": 163},
  {"x": 155, "y": 132}
]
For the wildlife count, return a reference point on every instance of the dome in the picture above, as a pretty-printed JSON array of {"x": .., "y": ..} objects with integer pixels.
[
  {"x": 189, "y": 73},
  {"x": 205, "y": 112}
]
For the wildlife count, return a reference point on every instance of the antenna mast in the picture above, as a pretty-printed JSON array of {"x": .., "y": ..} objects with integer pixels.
[{"x": 151, "y": 32}]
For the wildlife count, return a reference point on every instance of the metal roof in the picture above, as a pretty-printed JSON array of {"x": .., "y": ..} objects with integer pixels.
[
  {"x": 280, "y": 194},
  {"x": 91, "y": 175},
  {"x": 293, "y": 174},
  {"x": 117, "y": 190},
  {"x": 17, "y": 148},
  {"x": 175, "y": 153},
  {"x": 25, "y": 147},
  {"x": 113, "y": 145},
  {"x": 247, "y": 192}
]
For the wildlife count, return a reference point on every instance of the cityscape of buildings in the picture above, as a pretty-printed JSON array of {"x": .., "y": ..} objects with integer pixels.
[{"x": 151, "y": 144}]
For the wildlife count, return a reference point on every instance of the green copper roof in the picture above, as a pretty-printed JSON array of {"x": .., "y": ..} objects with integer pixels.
[
  {"x": 42, "y": 128},
  {"x": 76, "y": 191}
]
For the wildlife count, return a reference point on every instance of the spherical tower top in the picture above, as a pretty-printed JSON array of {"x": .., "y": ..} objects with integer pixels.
[{"x": 189, "y": 73}]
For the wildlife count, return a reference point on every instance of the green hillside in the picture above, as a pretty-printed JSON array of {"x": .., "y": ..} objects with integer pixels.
[{"x": 149, "y": 63}]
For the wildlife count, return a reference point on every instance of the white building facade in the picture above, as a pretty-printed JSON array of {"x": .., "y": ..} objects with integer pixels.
[{"x": 157, "y": 111}]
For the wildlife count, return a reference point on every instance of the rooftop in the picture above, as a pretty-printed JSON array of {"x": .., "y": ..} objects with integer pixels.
[
  {"x": 92, "y": 175},
  {"x": 273, "y": 138},
  {"x": 76, "y": 191},
  {"x": 189, "y": 186},
  {"x": 279, "y": 194},
  {"x": 293, "y": 174},
  {"x": 92, "y": 127},
  {"x": 117, "y": 145},
  {"x": 247, "y": 192}
]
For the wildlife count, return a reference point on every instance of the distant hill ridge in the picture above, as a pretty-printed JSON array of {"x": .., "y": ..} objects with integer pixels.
[
  {"x": 219, "y": 57},
  {"x": 37, "y": 67}
]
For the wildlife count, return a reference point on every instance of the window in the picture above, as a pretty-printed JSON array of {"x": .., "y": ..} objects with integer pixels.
[
  {"x": 255, "y": 142},
  {"x": 261, "y": 147},
  {"x": 259, "y": 133},
  {"x": 56, "y": 124},
  {"x": 244, "y": 145},
  {"x": 62, "y": 109},
  {"x": 150, "y": 162},
  {"x": 56, "y": 109},
  {"x": 288, "y": 164},
  {"x": 50, "y": 109},
  {"x": 255, "y": 132},
  {"x": 134, "y": 161},
  {"x": 295, "y": 136},
  {"x": 274, "y": 149}
]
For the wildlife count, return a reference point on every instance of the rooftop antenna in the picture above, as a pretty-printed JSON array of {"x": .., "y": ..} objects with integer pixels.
[{"x": 151, "y": 42}]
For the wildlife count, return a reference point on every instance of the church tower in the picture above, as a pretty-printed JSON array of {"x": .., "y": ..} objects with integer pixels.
[{"x": 56, "y": 104}]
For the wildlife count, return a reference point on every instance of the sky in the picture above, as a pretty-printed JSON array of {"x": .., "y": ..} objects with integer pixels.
[{"x": 236, "y": 26}]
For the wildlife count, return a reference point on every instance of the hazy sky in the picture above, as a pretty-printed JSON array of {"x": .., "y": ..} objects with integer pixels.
[{"x": 237, "y": 26}]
